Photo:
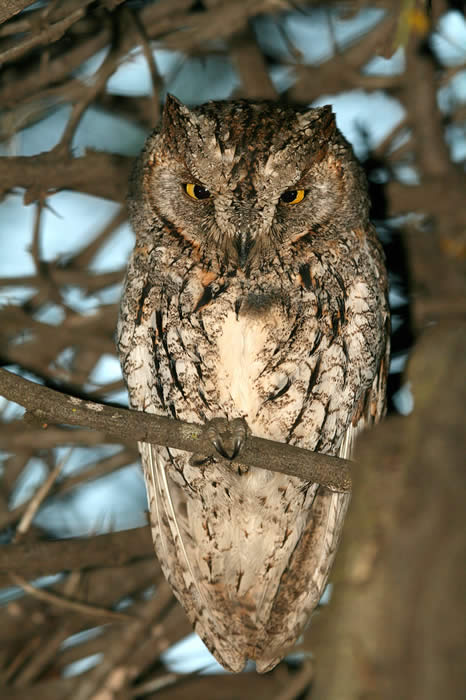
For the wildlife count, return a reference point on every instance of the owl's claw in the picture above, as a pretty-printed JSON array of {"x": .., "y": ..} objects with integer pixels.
[{"x": 227, "y": 437}]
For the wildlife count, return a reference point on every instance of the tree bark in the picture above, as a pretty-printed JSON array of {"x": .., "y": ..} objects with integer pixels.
[{"x": 394, "y": 628}]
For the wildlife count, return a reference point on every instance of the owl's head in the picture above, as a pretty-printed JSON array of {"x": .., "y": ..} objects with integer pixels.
[{"x": 241, "y": 182}]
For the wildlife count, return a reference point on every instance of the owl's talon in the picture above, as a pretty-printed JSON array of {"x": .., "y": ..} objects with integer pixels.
[
  {"x": 219, "y": 447},
  {"x": 227, "y": 437},
  {"x": 240, "y": 432}
]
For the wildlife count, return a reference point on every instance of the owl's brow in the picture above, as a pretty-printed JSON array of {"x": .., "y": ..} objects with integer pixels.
[{"x": 245, "y": 189}]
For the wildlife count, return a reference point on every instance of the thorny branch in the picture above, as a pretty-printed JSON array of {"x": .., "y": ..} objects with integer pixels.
[{"x": 50, "y": 405}]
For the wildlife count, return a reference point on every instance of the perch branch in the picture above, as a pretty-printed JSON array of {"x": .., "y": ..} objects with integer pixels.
[{"x": 48, "y": 404}]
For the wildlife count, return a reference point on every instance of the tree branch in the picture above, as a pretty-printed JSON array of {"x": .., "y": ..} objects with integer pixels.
[
  {"x": 76, "y": 606},
  {"x": 47, "y": 404},
  {"x": 9, "y": 8},
  {"x": 48, "y": 35},
  {"x": 89, "y": 174},
  {"x": 38, "y": 558}
]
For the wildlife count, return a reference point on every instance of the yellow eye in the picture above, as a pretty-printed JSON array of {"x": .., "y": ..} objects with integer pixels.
[
  {"x": 197, "y": 191},
  {"x": 292, "y": 196}
]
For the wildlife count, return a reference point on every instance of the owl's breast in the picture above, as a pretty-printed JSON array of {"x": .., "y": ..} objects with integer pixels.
[
  {"x": 243, "y": 346},
  {"x": 273, "y": 355},
  {"x": 247, "y": 362}
]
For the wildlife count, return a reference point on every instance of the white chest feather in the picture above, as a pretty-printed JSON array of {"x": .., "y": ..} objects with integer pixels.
[{"x": 242, "y": 356}]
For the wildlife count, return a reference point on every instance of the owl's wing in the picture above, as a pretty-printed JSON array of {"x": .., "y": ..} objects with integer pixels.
[
  {"x": 187, "y": 562},
  {"x": 171, "y": 530},
  {"x": 306, "y": 575},
  {"x": 372, "y": 405}
]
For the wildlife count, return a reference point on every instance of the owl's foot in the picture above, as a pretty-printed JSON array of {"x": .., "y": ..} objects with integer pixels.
[{"x": 228, "y": 437}]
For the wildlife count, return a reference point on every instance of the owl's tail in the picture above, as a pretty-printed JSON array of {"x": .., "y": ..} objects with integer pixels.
[{"x": 248, "y": 581}]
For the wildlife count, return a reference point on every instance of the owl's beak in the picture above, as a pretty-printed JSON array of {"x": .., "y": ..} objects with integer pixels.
[{"x": 243, "y": 242}]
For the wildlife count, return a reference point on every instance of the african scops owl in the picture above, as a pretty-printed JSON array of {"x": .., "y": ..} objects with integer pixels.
[{"x": 256, "y": 291}]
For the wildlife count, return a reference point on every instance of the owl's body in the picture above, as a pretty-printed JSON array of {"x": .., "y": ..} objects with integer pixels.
[{"x": 240, "y": 304}]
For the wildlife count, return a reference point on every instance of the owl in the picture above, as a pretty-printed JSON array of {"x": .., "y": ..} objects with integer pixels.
[{"x": 255, "y": 300}]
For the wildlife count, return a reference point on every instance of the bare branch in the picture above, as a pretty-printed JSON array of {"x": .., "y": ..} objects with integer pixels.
[
  {"x": 252, "y": 67},
  {"x": 298, "y": 684},
  {"x": 89, "y": 174},
  {"x": 48, "y": 35},
  {"x": 332, "y": 472},
  {"x": 9, "y": 8},
  {"x": 38, "y": 498},
  {"x": 113, "y": 673},
  {"x": 37, "y": 558},
  {"x": 76, "y": 606},
  {"x": 421, "y": 100}
]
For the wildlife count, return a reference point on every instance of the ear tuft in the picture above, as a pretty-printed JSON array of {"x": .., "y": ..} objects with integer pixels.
[
  {"x": 321, "y": 117},
  {"x": 175, "y": 113},
  {"x": 327, "y": 120}
]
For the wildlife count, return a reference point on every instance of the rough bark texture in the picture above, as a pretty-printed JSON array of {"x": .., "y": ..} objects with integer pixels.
[{"x": 394, "y": 628}]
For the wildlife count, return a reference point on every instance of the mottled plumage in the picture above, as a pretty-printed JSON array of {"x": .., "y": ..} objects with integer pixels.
[{"x": 240, "y": 304}]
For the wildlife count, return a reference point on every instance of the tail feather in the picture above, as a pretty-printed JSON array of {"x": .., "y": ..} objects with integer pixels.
[
  {"x": 284, "y": 580},
  {"x": 175, "y": 548}
]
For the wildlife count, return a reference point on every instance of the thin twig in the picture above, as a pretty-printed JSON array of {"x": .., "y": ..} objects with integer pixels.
[
  {"x": 39, "y": 497},
  {"x": 118, "y": 665},
  {"x": 155, "y": 685},
  {"x": 119, "y": 46},
  {"x": 25, "y": 652},
  {"x": 85, "y": 255},
  {"x": 157, "y": 82}
]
